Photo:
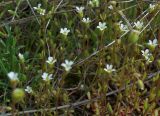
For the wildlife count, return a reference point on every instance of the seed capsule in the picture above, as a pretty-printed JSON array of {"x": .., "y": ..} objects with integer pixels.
[
  {"x": 140, "y": 84},
  {"x": 133, "y": 36},
  {"x": 18, "y": 95}
]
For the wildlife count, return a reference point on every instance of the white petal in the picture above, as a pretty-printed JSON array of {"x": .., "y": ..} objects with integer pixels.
[
  {"x": 63, "y": 64},
  {"x": 155, "y": 41}
]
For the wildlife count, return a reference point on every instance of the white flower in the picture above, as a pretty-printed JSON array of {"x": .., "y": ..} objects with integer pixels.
[
  {"x": 109, "y": 68},
  {"x": 94, "y": 3},
  {"x": 102, "y": 26},
  {"x": 39, "y": 6},
  {"x": 86, "y": 20},
  {"x": 79, "y": 9},
  {"x": 138, "y": 24},
  {"x": 64, "y": 31},
  {"x": 82, "y": 86},
  {"x": 91, "y": 3},
  {"x": 154, "y": 42},
  {"x": 67, "y": 65},
  {"x": 28, "y": 89},
  {"x": 21, "y": 57},
  {"x": 51, "y": 60},
  {"x": 110, "y": 7},
  {"x": 46, "y": 76},
  {"x": 40, "y": 10},
  {"x": 13, "y": 76},
  {"x": 146, "y": 55},
  {"x": 152, "y": 6},
  {"x": 123, "y": 27}
]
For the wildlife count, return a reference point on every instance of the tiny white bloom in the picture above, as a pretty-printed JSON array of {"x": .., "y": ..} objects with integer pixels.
[
  {"x": 79, "y": 9},
  {"x": 51, "y": 60},
  {"x": 46, "y": 76},
  {"x": 29, "y": 89},
  {"x": 40, "y": 10},
  {"x": 123, "y": 27},
  {"x": 94, "y": 3},
  {"x": 13, "y": 76},
  {"x": 86, "y": 20},
  {"x": 21, "y": 57},
  {"x": 67, "y": 65},
  {"x": 146, "y": 54},
  {"x": 138, "y": 24},
  {"x": 154, "y": 42},
  {"x": 82, "y": 86},
  {"x": 109, "y": 68},
  {"x": 102, "y": 26},
  {"x": 110, "y": 7},
  {"x": 64, "y": 31},
  {"x": 39, "y": 6},
  {"x": 90, "y": 2},
  {"x": 152, "y": 6}
]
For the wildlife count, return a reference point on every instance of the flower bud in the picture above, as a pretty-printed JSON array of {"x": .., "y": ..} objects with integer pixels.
[
  {"x": 140, "y": 84},
  {"x": 116, "y": 27},
  {"x": 133, "y": 36},
  {"x": 152, "y": 44},
  {"x": 14, "y": 83},
  {"x": 80, "y": 11},
  {"x": 146, "y": 104},
  {"x": 151, "y": 58},
  {"x": 21, "y": 57},
  {"x": 109, "y": 107},
  {"x": 8, "y": 108},
  {"x": 81, "y": 15},
  {"x": 119, "y": 41},
  {"x": 13, "y": 76},
  {"x": 18, "y": 95},
  {"x": 94, "y": 3},
  {"x": 152, "y": 7},
  {"x": 137, "y": 75},
  {"x": 151, "y": 47}
]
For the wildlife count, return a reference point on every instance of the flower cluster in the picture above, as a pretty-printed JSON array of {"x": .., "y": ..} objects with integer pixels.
[
  {"x": 64, "y": 31},
  {"x": 80, "y": 9},
  {"x": 86, "y": 20},
  {"x": 109, "y": 68},
  {"x": 110, "y": 7},
  {"x": 147, "y": 55},
  {"x": 152, "y": 7},
  {"x": 138, "y": 25},
  {"x": 21, "y": 57},
  {"x": 94, "y": 3},
  {"x": 51, "y": 60},
  {"x": 40, "y": 10},
  {"x": 123, "y": 27},
  {"x": 13, "y": 76},
  {"x": 102, "y": 26},
  {"x": 67, "y": 65},
  {"x": 46, "y": 76},
  {"x": 153, "y": 43},
  {"x": 28, "y": 89}
]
